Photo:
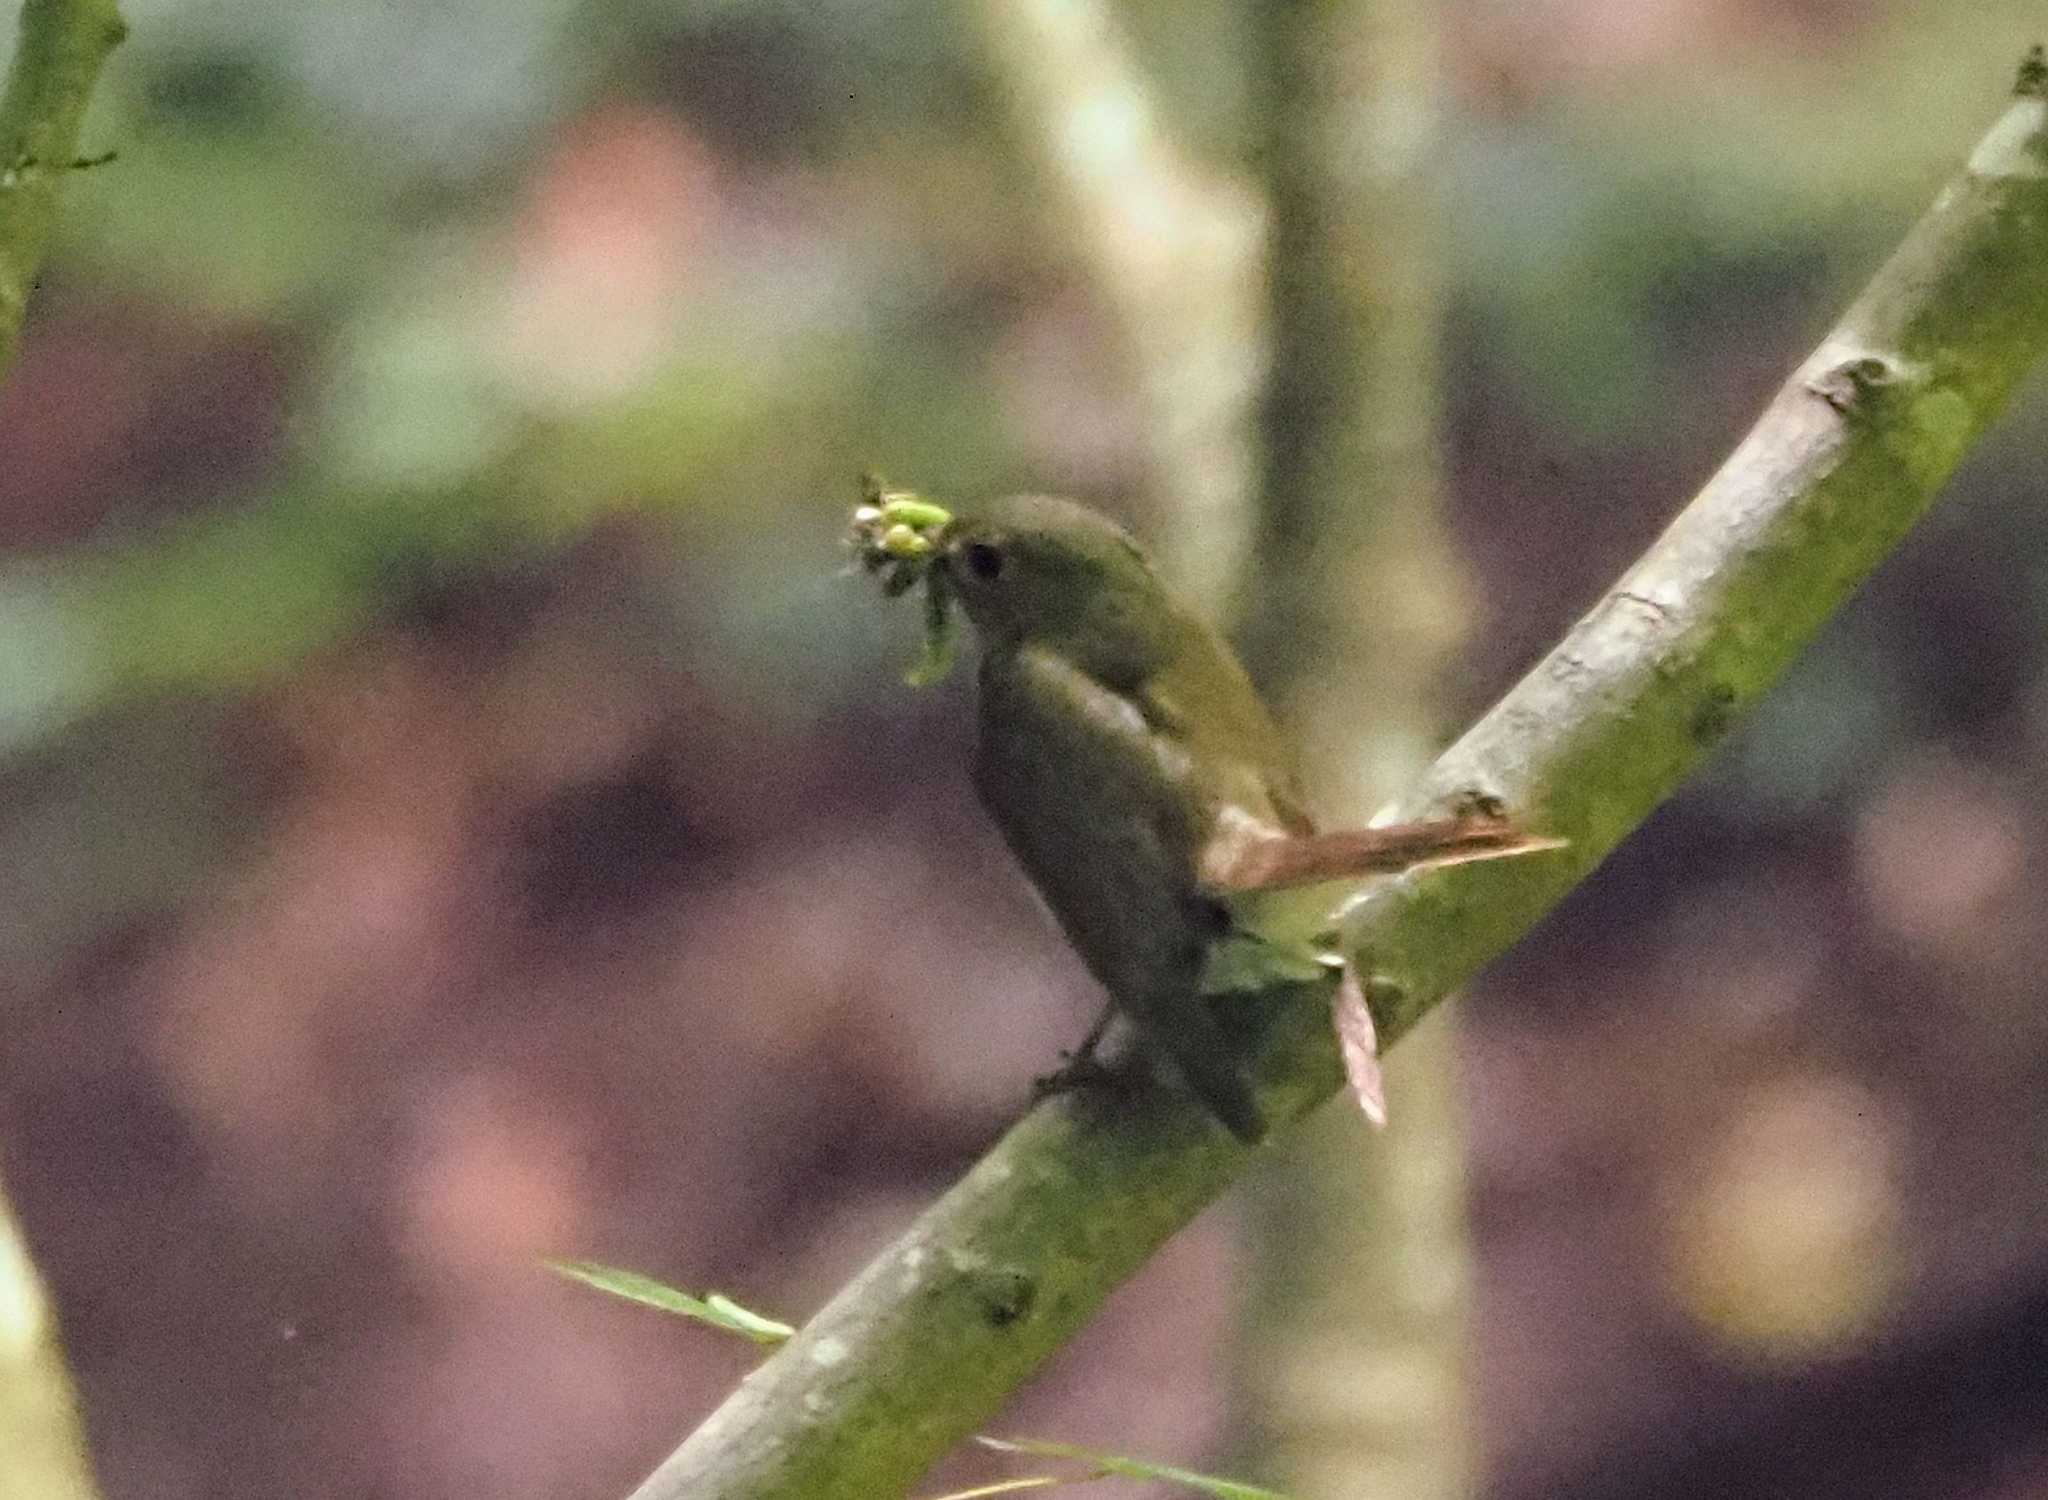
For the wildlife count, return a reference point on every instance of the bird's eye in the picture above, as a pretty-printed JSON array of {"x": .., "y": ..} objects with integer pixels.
[{"x": 984, "y": 561}]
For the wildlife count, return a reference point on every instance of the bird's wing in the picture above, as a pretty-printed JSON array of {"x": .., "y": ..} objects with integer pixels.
[
  {"x": 1244, "y": 763},
  {"x": 1094, "y": 803}
]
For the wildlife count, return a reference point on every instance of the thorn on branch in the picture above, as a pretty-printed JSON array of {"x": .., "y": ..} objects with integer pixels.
[
  {"x": 1479, "y": 802},
  {"x": 1845, "y": 386},
  {"x": 26, "y": 165},
  {"x": 2032, "y": 82},
  {"x": 1649, "y": 606}
]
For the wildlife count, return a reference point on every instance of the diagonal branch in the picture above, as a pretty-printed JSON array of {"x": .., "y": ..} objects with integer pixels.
[{"x": 935, "y": 1333}]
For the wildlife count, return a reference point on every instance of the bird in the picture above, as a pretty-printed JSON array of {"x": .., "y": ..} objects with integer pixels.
[{"x": 1125, "y": 756}]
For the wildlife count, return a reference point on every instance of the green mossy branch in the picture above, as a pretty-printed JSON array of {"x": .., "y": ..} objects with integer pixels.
[
  {"x": 57, "y": 60},
  {"x": 932, "y": 1337}
]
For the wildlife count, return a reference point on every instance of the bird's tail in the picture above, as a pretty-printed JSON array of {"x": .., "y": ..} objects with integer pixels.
[{"x": 1305, "y": 859}]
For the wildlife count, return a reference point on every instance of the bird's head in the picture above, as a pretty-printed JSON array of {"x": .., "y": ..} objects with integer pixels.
[
  {"x": 1038, "y": 570},
  {"x": 1029, "y": 570}
]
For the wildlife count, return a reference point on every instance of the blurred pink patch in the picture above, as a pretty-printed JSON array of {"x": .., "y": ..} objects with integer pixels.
[
  {"x": 610, "y": 233},
  {"x": 495, "y": 1184},
  {"x": 1937, "y": 849},
  {"x": 1361, "y": 1048}
]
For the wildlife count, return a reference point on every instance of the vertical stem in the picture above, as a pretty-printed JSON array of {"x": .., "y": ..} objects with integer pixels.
[
  {"x": 1356, "y": 1379},
  {"x": 56, "y": 62},
  {"x": 1359, "y": 576}
]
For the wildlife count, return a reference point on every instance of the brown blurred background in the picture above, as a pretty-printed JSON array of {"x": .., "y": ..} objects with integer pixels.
[{"x": 454, "y": 813}]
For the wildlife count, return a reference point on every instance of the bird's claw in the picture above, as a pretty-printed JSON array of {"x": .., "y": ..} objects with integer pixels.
[{"x": 1076, "y": 1071}]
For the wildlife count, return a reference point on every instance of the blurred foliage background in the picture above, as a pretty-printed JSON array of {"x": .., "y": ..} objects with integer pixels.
[{"x": 454, "y": 812}]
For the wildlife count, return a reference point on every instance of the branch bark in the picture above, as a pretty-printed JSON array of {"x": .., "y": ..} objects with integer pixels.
[{"x": 930, "y": 1338}]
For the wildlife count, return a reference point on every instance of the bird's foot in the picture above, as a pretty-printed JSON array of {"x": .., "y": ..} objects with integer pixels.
[{"x": 1077, "y": 1070}]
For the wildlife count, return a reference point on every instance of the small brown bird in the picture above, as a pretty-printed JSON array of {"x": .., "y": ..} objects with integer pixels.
[{"x": 1143, "y": 786}]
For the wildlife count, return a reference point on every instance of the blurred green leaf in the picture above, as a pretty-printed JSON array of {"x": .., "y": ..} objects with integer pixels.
[
  {"x": 717, "y": 1310},
  {"x": 1132, "y": 1468},
  {"x": 720, "y": 1311},
  {"x": 1016, "y": 1486},
  {"x": 173, "y": 215}
]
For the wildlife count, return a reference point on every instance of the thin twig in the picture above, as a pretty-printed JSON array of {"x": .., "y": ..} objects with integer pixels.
[
  {"x": 56, "y": 62},
  {"x": 63, "y": 45}
]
